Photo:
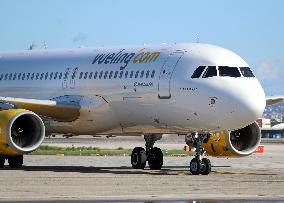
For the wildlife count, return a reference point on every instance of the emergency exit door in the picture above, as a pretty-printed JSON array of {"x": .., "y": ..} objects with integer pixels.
[{"x": 69, "y": 77}]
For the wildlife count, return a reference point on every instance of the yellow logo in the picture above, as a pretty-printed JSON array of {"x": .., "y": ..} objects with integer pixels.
[{"x": 146, "y": 57}]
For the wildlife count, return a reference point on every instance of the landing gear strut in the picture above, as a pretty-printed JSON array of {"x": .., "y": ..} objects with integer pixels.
[
  {"x": 152, "y": 154},
  {"x": 14, "y": 161},
  {"x": 199, "y": 165}
]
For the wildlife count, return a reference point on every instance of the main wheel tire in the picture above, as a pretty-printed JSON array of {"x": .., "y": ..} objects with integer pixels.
[
  {"x": 205, "y": 168},
  {"x": 138, "y": 158},
  {"x": 155, "y": 159},
  {"x": 2, "y": 161},
  {"x": 194, "y": 166},
  {"x": 15, "y": 161}
]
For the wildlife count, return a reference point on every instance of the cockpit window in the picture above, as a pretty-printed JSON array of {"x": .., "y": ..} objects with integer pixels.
[
  {"x": 225, "y": 71},
  {"x": 197, "y": 73},
  {"x": 246, "y": 72},
  {"x": 211, "y": 71}
]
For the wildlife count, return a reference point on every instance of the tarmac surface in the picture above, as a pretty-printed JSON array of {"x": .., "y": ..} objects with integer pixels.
[
  {"x": 127, "y": 142},
  {"x": 48, "y": 178}
]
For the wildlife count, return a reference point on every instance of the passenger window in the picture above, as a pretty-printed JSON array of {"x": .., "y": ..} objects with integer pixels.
[
  {"x": 246, "y": 72},
  {"x": 131, "y": 74},
  {"x": 50, "y": 76},
  {"x": 6, "y": 76},
  {"x": 1, "y": 76},
  {"x": 142, "y": 74},
  {"x": 110, "y": 74},
  {"x": 121, "y": 73},
  {"x": 60, "y": 76},
  {"x": 28, "y": 76},
  {"x": 96, "y": 74},
  {"x": 136, "y": 74},
  {"x": 19, "y": 76},
  {"x": 24, "y": 75},
  {"x": 15, "y": 76},
  {"x": 74, "y": 73},
  {"x": 41, "y": 76},
  {"x": 101, "y": 74},
  {"x": 86, "y": 75},
  {"x": 46, "y": 76},
  {"x": 55, "y": 76},
  {"x": 115, "y": 74},
  {"x": 81, "y": 75},
  {"x": 106, "y": 73},
  {"x": 198, "y": 71},
  {"x": 37, "y": 76},
  {"x": 153, "y": 74},
  {"x": 33, "y": 75},
  {"x": 91, "y": 75},
  {"x": 211, "y": 71},
  {"x": 147, "y": 73},
  {"x": 10, "y": 76},
  {"x": 225, "y": 71},
  {"x": 126, "y": 74},
  {"x": 66, "y": 75}
]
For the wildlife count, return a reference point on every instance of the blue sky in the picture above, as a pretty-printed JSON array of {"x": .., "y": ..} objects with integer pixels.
[{"x": 254, "y": 29}]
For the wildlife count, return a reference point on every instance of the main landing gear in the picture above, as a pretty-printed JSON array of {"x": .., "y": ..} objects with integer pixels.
[
  {"x": 152, "y": 154},
  {"x": 13, "y": 161},
  {"x": 199, "y": 165}
]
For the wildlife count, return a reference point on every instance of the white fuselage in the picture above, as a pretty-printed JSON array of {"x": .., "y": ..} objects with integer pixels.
[{"x": 141, "y": 89}]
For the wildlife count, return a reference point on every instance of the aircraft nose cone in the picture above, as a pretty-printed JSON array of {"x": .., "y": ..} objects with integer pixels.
[
  {"x": 254, "y": 106},
  {"x": 244, "y": 103},
  {"x": 252, "y": 103}
]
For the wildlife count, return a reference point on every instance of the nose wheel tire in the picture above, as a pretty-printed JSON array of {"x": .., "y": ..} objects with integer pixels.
[
  {"x": 15, "y": 161},
  {"x": 205, "y": 168},
  {"x": 138, "y": 158},
  {"x": 194, "y": 166},
  {"x": 155, "y": 158},
  {"x": 202, "y": 167}
]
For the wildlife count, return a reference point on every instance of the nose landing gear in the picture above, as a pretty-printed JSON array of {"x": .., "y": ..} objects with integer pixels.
[
  {"x": 152, "y": 154},
  {"x": 202, "y": 166},
  {"x": 199, "y": 165}
]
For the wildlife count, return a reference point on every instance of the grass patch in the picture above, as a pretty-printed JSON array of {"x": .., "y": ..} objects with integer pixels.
[{"x": 95, "y": 151}]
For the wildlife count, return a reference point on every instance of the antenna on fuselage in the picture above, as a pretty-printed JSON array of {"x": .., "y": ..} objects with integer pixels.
[
  {"x": 45, "y": 46},
  {"x": 197, "y": 38}
]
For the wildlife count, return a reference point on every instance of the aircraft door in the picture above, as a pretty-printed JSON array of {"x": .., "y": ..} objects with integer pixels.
[
  {"x": 166, "y": 74},
  {"x": 65, "y": 78},
  {"x": 69, "y": 77},
  {"x": 72, "y": 78}
]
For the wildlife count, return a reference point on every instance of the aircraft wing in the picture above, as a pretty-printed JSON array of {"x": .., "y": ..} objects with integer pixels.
[
  {"x": 273, "y": 100},
  {"x": 57, "y": 109}
]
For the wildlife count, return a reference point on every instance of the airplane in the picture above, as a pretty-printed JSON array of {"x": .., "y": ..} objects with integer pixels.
[
  {"x": 203, "y": 91},
  {"x": 276, "y": 129},
  {"x": 270, "y": 100}
]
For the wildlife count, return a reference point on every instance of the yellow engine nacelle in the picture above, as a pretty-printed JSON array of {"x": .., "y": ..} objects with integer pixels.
[
  {"x": 241, "y": 142},
  {"x": 21, "y": 131}
]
